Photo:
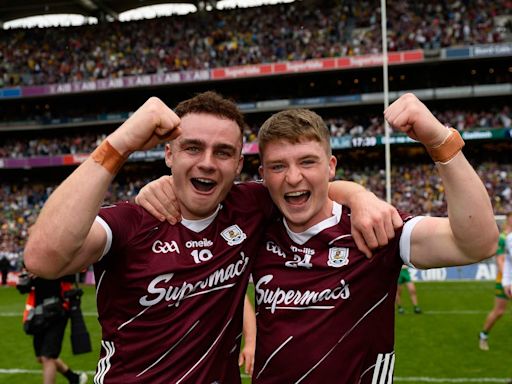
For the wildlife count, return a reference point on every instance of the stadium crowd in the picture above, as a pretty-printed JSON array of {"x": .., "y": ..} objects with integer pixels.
[
  {"x": 353, "y": 124},
  {"x": 203, "y": 40},
  {"x": 51, "y": 146},
  {"x": 364, "y": 125},
  {"x": 417, "y": 188}
]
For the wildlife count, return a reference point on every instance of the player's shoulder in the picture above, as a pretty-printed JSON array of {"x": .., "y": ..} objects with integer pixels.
[
  {"x": 120, "y": 208},
  {"x": 127, "y": 212}
]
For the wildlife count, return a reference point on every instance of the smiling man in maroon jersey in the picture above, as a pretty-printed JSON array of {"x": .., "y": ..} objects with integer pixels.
[
  {"x": 325, "y": 311},
  {"x": 169, "y": 297}
]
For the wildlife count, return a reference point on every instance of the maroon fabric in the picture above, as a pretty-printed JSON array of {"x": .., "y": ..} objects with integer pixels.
[
  {"x": 324, "y": 319},
  {"x": 171, "y": 297}
]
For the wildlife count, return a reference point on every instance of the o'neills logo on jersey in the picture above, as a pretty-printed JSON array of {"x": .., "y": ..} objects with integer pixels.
[
  {"x": 305, "y": 250},
  {"x": 162, "y": 287},
  {"x": 199, "y": 244},
  {"x": 165, "y": 247},
  {"x": 278, "y": 298},
  {"x": 338, "y": 257},
  {"x": 233, "y": 235}
]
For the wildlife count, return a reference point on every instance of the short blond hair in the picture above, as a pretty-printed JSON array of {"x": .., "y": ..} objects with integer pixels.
[{"x": 294, "y": 126}]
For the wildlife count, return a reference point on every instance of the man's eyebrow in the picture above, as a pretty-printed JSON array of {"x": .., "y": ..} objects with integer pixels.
[
  {"x": 185, "y": 142},
  {"x": 309, "y": 156},
  {"x": 275, "y": 161},
  {"x": 224, "y": 146}
]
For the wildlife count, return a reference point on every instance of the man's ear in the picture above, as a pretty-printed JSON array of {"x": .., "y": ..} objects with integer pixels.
[
  {"x": 168, "y": 155},
  {"x": 332, "y": 167},
  {"x": 260, "y": 170},
  {"x": 240, "y": 165}
]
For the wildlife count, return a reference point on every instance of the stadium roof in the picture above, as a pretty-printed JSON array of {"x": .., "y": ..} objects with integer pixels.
[{"x": 15, "y": 9}]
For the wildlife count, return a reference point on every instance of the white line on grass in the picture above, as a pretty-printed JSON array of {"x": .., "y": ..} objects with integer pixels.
[
  {"x": 13, "y": 371},
  {"x": 20, "y": 314},
  {"x": 453, "y": 379},
  {"x": 456, "y": 312},
  {"x": 433, "y": 312}
]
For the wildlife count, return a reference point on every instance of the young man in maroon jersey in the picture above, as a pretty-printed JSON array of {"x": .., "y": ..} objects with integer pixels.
[
  {"x": 169, "y": 297},
  {"x": 326, "y": 311},
  {"x": 323, "y": 307}
]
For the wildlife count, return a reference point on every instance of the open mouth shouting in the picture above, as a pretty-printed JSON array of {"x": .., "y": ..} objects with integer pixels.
[
  {"x": 297, "y": 197},
  {"x": 203, "y": 185}
]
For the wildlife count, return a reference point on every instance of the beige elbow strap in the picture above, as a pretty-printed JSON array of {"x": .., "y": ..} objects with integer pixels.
[
  {"x": 108, "y": 157},
  {"x": 447, "y": 150}
]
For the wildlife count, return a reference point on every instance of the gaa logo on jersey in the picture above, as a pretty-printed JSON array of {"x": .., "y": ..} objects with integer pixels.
[
  {"x": 233, "y": 235},
  {"x": 338, "y": 257}
]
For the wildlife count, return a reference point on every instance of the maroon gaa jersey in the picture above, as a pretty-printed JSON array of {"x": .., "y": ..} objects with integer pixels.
[
  {"x": 325, "y": 311},
  {"x": 170, "y": 297}
]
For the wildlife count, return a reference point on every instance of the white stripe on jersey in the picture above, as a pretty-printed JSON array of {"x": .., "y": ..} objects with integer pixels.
[
  {"x": 376, "y": 368},
  {"x": 170, "y": 349},
  {"x": 386, "y": 361},
  {"x": 342, "y": 338},
  {"x": 273, "y": 354},
  {"x": 339, "y": 238},
  {"x": 133, "y": 318},
  {"x": 391, "y": 369},
  {"x": 320, "y": 307},
  {"x": 227, "y": 286},
  {"x": 108, "y": 232},
  {"x": 104, "y": 362},
  {"x": 405, "y": 240},
  {"x": 206, "y": 353},
  {"x": 239, "y": 337},
  {"x": 99, "y": 283}
]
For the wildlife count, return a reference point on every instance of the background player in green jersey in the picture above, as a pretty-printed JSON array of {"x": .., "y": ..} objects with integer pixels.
[
  {"x": 405, "y": 278},
  {"x": 500, "y": 300}
]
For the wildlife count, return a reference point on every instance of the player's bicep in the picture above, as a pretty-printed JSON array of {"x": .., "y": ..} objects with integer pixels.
[
  {"x": 92, "y": 249},
  {"x": 433, "y": 244}
]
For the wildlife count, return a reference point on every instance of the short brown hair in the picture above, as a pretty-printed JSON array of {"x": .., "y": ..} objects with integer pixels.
[
  {"x": 294, "y": 126},
  {"x": 214, "y": 104}
]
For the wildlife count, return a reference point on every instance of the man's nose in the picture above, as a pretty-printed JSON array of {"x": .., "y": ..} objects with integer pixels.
[
  {"x": 293, "y": 175},
  {"x": 207, "y": 161}
]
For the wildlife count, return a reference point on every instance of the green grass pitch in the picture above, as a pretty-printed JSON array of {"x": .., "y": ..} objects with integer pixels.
[{"x": 438, "y": 346}]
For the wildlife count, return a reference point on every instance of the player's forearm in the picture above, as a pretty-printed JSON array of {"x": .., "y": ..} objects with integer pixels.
[
  {"x": 65, "y": 220},
  {"x": 343, "y": 191},
  {"x": 470, "y": 211},
  {"x": 249, "y": 323}
]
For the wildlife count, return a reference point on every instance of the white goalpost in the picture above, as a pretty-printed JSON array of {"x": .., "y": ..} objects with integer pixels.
[{"x": 384, "y": 30}]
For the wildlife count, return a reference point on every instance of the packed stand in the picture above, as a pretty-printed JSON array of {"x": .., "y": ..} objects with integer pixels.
[
  {"x": 225, "y": 38},
  {"x": 54, "y": 146},
  {"x": 354, "y": 125}
]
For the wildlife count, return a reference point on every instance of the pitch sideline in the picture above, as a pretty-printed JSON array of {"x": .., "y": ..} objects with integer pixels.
[{"x": 14, "y": 371}]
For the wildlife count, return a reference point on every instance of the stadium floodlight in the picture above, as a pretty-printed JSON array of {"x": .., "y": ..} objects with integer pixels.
[
  {"x": 230, "y": 4},
  {"x": 159, "y": 10},
  {"x": 385, "y": 80},
  {"x": 53, "y": 20}
]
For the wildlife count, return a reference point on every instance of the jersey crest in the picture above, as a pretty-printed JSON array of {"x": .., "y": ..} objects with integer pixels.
[
  {"x": 338, "y": 257},
  {"x": 233, "y": 235}
]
